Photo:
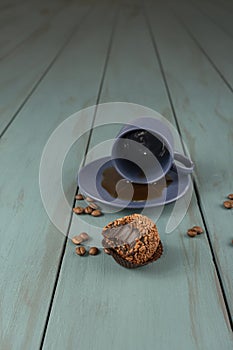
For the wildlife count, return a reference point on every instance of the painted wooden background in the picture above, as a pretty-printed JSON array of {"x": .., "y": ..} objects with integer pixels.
[{"x": 57, "y": 58}]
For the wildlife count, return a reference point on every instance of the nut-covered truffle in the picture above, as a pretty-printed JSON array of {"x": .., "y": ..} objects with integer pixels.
[{"x": 135, "y": 238}]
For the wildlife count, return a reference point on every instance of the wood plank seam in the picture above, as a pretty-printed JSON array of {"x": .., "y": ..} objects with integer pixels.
[
  {"x": 226, "y": 309},
  {"x": 204, "y": 13},
  {"x": 37, "y": 83},
  {"x": 51, "y": 16},
  {"x": 155, "y": 46},
  {"x": 56, "y": 278},
  {"x": 102, "y": 82},
  {"x": 191, "y": 35},
  {"x": 99, "y": 284},
  {"x": 219, "y": 282},
  {"x": 223, "y": 5},
  {"x": 76, "y": 192}
]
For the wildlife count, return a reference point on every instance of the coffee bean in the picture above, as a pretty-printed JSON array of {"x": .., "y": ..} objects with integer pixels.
[
  {"x": 93, "y": 206},
  {"x": 228, "y": 204},
  {"x": 191, "y": 233},
  {"x": 79, "y": 197},
  {"x": 96, "y": 213},
  {"x": 230, "y": 196},
  {"x": 78, "y": 239},
  {"x": 78, "y": 210},
  {"x": 107, "y": 251},
  {"x": 88, "y": 210},
  {"x": 80, "y": 251},
  {"x": 198, "y": 229},
  {"x": 89, "y": 199},
  {"x": 93, "y": 251},
  {"x": 84, "y": 236}
]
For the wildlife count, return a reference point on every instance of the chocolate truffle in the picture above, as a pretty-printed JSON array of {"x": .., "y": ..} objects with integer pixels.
[{"x": 134, "y": 238}]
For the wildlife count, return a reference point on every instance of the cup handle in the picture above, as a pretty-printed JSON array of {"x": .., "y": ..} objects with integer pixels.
[{"x": 185, "y": 165}]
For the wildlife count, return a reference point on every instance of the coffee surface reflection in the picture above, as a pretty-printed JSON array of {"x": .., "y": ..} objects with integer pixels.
[{"x": 118, "y": 187}]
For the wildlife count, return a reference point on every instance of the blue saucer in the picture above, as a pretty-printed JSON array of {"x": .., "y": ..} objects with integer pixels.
[{"x": 90, "y": 178}]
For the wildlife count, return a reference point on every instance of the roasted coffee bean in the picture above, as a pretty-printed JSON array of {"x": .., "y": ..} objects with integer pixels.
[
  {"x": 88, "y": 210},
  {"x": 191, "y": 233},
  {"x": 96, "y": 212},
  {"x": 107, "y": 251},
  {"x": 198, "y": 229},
  {"x": 93, "y": 206},
  {"x": 79, "y": 197},
  {"x": 78, "y": 210},
  {"x": 82, "y": 237},
  {"x": 89, "y": 199},
  {"x": 228, "y": 204},
  {"x": 80, "y": 251},
  {"x": 93, "y": 251},
  {"x": 77, "y": 239},
  {"x": 230, "y": 196}
]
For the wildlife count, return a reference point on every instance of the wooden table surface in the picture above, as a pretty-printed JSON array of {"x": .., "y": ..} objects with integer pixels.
[{"x": 58, "y": 57}]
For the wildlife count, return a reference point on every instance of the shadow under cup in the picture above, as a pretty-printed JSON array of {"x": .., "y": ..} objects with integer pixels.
[{"x": 142, "y": 156}]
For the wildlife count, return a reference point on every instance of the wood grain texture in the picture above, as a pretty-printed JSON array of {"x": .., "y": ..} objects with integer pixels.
[
  {"x": 5, "y": 4},
  {"x": 172, "y": 304},
  {"x": 225, "y": 4},
  {"x": 25, "y": 20},
  {"x": 219, "y": 15},
  {"x": 21, "y": 71},
  {"x": 203, "y": 105},
  {"x": 217, "y": 45},
  {"x": 30, "y": 244}
]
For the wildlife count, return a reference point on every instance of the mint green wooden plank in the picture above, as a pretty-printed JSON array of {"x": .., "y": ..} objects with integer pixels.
[
  {"x": 21, "y": 71},
  {"x": 5, "y": 5},
  {"x": 28, "y": 19},
  {"x": 203, "y": 104},
  {"x": 30, "y": 244},
  {"x": 172, "y": 304},
  {"x": 213, "y": 40},
  {"x": 15, "y": 11},
  {"x": 218, "y": 14},
  {"x": 227, "y": 5}
]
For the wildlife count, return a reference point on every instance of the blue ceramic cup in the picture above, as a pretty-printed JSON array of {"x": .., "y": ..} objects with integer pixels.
[{"x": 143, "y": 151}]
